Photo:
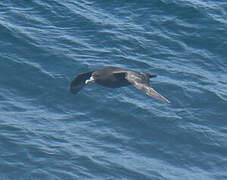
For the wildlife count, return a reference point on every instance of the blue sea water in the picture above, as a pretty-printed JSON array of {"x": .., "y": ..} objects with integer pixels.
[{"x": 106, "y": 134}]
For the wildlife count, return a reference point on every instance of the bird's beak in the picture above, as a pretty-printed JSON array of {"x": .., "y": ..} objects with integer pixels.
[{"x": 90, "y": 80}]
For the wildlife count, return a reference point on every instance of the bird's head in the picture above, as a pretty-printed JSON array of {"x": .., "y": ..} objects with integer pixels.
[
  {"x": 96, "y": 76},
  {"x": 92, "y": 79}
]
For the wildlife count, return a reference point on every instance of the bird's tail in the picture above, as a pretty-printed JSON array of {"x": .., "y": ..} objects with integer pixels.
[{"x": 151, "y": 75}]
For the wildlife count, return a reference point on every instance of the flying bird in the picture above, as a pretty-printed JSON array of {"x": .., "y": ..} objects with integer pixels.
[{"x": 116, "y": 77}]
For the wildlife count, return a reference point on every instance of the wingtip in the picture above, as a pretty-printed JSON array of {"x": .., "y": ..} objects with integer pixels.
[
  {"x": 156, "y": 95},
  {"x": 165, "y": 100},
  {"x": 168, "y": 101}
]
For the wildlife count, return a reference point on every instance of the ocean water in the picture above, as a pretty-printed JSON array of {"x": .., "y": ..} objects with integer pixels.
[{"x": 107, "y": 134}]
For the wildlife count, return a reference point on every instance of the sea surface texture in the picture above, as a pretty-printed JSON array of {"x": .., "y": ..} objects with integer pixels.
[{"x": 47, "y": 133}]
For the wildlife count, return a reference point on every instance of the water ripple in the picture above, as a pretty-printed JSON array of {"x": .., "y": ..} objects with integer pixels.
[{"x": 102, "y": 133}]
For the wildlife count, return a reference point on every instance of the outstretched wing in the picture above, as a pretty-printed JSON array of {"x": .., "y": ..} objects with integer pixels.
[
  {"x": 141, "y": 83},
  {"x": 79, "y": 82}
]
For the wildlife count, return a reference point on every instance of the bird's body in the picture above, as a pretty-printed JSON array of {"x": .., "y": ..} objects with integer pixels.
[
  {"x": 108, "y": 77},
  {"x": 115, "y": 77}
]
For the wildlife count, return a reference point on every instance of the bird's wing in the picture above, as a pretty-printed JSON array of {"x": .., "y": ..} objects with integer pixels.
[
  {"x": 79, "y": 82},
  {"x": 138, "y": 82}
]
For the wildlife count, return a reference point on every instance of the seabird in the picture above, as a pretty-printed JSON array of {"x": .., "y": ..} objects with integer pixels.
[{"x": 115, "y": 77}]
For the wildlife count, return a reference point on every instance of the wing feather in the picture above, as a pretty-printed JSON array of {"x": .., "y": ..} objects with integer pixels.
[{"x": 138, "y": 82}]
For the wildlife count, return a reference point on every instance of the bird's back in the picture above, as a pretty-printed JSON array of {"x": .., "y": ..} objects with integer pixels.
[{"x": 110, "y": 77}]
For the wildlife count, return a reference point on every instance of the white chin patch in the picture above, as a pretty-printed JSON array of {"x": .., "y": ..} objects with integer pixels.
[{"x": 90, "y": 80}]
